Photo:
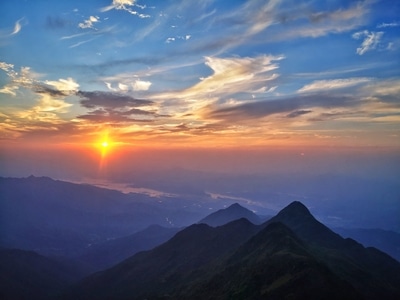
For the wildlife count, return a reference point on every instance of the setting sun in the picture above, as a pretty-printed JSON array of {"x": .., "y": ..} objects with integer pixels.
[{"x": 104, "y": 144}]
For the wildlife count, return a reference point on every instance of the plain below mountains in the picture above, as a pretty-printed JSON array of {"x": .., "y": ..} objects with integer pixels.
[{"x": 291, "y": 256}]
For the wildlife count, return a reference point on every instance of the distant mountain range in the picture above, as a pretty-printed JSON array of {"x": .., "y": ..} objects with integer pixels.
[
  {"x": 290, "y": 256},
  {"x": 229, "y": 214},
  {"x": 58, "y": 218}
]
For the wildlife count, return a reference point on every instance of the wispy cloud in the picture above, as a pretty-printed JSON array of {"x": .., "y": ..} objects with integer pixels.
[
  {"x": 370, "y": 42},
  {"x": 230, "y": 76},
  {"x": 89, "y": 22},
  {"x": 17, "y": 27},
  {"x": 290, "y": 105},
  {"x": 391, "y": 24},
  {"x": 82, "y": 43},
  {"x": 126, "y": 5},
  {"x": 323, "y": 85}
]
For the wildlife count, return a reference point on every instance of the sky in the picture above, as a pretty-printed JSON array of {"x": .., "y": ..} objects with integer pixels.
[{"x": 127, "y": 74}]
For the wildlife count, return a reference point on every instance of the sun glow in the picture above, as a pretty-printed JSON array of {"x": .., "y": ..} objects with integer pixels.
[{"x": 104, "y": 145}]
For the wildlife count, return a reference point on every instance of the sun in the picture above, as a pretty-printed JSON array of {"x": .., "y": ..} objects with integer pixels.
[{"x": 104, "y": 144}]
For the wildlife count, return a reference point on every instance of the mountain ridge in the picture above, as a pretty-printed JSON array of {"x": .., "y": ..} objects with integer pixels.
[{"x": 203, "y": 262}]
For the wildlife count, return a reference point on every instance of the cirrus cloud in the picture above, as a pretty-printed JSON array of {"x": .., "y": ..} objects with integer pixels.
[{"x": 320, "y": 85}]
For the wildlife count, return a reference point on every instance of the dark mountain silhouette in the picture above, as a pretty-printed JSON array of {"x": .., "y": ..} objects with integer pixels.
[
  {"x": 28, "y": 275},
  {"x": 385, "y": 240},
  {"x": 292, "y": 256},
  {"x": 106, "y": 254},
  {"x": 369, "y": 270},
  {"x": 274, "y": 264},
  {"x": 229, "y": 214}
]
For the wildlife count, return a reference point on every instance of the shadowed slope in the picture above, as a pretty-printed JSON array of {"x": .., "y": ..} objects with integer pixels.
[
  {"x": 274, "y": 264},
  {"x": 167, "y": 266}
]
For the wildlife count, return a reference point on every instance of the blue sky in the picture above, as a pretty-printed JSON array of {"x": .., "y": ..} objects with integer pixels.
[{"x": 201, "y": 73}]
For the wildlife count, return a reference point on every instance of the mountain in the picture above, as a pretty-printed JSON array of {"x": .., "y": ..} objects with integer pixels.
[
  {"x": 229, "y": 214},
  {"x": 28, "y": 275},
  {"x": 374, "y": 273},
  {"x": 104, "y": 255},
  {"x": 385, "y": 240},
  {"x": 273, "y": 264},
  {"x": 291, "y": 256},
  {"x": 58, "y": 218},
  {"x": 167, "y": 266}
]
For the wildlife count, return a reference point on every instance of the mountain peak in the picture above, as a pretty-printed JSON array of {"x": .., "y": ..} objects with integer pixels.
[
  {"x": 229, "y": 214},
  {"x": 296, "y": 208},
  {"x": 235, "y": 205},
  {"x": 299, "y": 219}
]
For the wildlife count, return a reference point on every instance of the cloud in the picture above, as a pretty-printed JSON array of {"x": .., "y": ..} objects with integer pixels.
[
  {"x": 298, "y": 113},
  {"x": 233, "y": 75},
  {"x": 384, "y": 91},
  {"x": 110, "y": 100},
  {"x": 60, "y": 88},
  {"x": 293, "y": 106},
  {"x": 173, "y": 39},
  {"x": 296, "y": 21},
  {"x": 25, "y": 78},
  {"x": 141, "y": 85},
  {"x": 6, "y": 67},
  {"x": 7, "y": 33},
  {"x": 112, "y": 117},
  {"x": 46, "y": 110},
  {"x": 115, "y": 108},
  {"x": 385, "y": 25},
  {"x": 68, "y": 86},
  {"x": 89, "y": 22},
  {"x": 49, "y": 102},
  {"x": 237, "y": 78},
  {"x": 28, "y": 79},
  {"x": 9, "y": 88},
  {"x": 126, "y": 5},
  {"x": 17, "y": 27},
  {"x": 370, "y": 42},
  {"x": 94, "y": 33},
  {"x": 321, "y": 85}
]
